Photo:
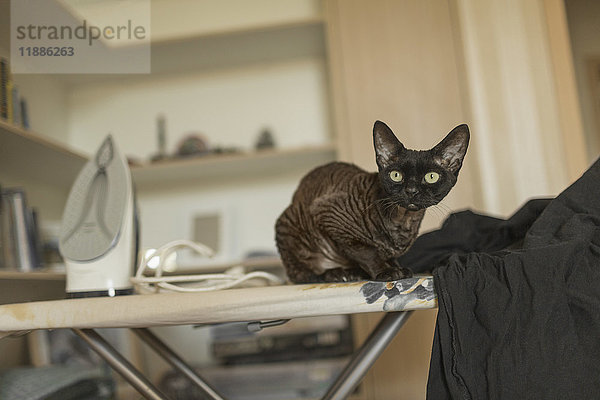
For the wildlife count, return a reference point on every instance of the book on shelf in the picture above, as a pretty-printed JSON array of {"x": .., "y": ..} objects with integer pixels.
[
  {"x": 9, "y": 101},
  {"x": 19, "y": 237},
  {"x": 16, "y": 106},
  {"x": 13, "y": 108},
  {"x": 24, "y": 114},
  {"x": 4, "y": 77}
]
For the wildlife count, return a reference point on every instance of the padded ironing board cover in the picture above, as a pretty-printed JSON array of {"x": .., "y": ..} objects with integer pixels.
[{"x": 246, "y": 304}]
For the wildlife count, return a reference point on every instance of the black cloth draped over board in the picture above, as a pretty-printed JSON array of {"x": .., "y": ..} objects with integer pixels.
[{"x": 519, "y": 299}]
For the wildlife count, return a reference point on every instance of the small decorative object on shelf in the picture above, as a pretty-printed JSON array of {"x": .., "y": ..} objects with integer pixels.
[
  {"x": 193, "y": 145},
  {"x": 161, "y": 133},
  {"x": 265, "y": 140}
]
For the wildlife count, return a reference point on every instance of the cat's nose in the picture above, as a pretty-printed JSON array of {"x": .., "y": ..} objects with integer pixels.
[{"x": 411, "y": 190}]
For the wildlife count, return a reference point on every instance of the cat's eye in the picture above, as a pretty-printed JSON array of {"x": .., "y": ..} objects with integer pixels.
[
  {"x": 396, "y": 176},
  {"x": 432, "y": 177}
]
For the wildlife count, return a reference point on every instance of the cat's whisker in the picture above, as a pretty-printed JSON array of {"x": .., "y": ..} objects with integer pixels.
[
  {"x": 373, "y": 204},
  {"x": 388, "y": 206},
  {"x": 445, "y": 207},
  {"x": 440, "y": 210},
  {"x": 385, "y": 203},
  {"x": 438, "y": 213}
]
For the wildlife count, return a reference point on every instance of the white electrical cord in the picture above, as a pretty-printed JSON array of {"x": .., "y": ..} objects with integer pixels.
[{"x": 232, "y": 277}]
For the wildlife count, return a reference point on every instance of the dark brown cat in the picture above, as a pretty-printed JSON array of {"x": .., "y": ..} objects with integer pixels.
[{"x": 346, "y": 224}]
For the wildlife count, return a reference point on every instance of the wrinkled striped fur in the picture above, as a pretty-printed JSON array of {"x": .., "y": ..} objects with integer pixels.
[{"x": 346, "y": 224}]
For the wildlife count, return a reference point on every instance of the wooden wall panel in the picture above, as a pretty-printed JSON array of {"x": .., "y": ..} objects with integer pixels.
[
  {"x": 425, "y": 66},
  {"x": 395, "y": 60}
]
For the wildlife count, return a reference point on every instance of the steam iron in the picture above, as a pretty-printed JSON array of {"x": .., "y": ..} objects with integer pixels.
[{"x": 98, "y": 237}]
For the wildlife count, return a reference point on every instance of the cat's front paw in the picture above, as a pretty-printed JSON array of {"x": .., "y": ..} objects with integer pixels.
[{"x": 394, "y": 274}]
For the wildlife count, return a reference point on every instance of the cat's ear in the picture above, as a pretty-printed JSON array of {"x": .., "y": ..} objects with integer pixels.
[
  {"x": 386, "y": 144},
  {"x": 450, "y": 152}
]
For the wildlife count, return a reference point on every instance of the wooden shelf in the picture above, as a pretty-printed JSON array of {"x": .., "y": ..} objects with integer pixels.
[
  {"x": 223, "y": 49},
  {"x": 242, "y": 165},
  {"x": 19, "y": 287},
  {"x": 29, "y": 156},
  {"x": 270, "y": 27},
  {"x": 240, "y": 47},
  {"x": 33, "y": 276}
]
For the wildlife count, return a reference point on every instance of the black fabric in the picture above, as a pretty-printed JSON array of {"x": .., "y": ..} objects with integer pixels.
[
  {"x": 521, "y": 322},
  {"x": 466, "y": 231}
]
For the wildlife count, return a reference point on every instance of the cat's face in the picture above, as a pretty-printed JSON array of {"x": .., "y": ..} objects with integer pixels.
[{"x": 418, "y": 179}]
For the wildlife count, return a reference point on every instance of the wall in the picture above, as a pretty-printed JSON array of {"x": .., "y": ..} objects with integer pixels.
[
  {"x": 427, "y": 66},
  {"x": 512, "y": 100},
  {"x": 397, "y": 61},
  {"x": 251, "y": 208},
  {"x": 229, "y": 104},
  {"x": 229, "y": 107},
  {"x": 173, "y": 20},
  {"x": 46, "y": 101},
  {"x": 379, "y": 71},
  {"x": 584, "y": 28},
  {"x": 212, "y": 16}
]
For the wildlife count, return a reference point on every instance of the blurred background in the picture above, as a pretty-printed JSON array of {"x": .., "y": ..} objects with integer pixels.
[{"x": 245, "y": 97}]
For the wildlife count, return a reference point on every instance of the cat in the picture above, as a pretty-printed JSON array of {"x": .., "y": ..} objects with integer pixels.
[{"x": 346, "y": 224}]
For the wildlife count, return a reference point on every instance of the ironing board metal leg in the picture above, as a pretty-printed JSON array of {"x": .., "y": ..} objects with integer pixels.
[
  {"x": 177, "y": 362},
  {"x": 120, "y": 364},
  {"x": 368, "y": 353}
]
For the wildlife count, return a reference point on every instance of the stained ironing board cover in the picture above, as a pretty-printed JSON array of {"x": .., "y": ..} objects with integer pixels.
[{"x": 246, "y": 304}]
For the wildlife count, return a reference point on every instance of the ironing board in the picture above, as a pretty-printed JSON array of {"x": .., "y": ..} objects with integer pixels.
[{"x": 253, "y": 305}]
